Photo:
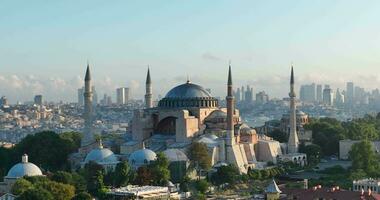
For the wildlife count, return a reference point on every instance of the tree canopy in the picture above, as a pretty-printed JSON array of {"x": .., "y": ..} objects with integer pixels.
[
  {"x": 46, "y": 149},
  {"x": 365, "y": 158},
  {"x": 198, "y": 156},
  {"x": 42, "y": 188},
  {"x": 328, "y": 131}
]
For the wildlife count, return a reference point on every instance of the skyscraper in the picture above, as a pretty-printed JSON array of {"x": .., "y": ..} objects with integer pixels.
[
  {"x": 242, "y": 93},
  {"x": 38, "y": 100},
  {"x": 237, "y": 95},
  {"x": 319, "y": 96},
  {"x": 248, "y": 94},
  {"x": 328, "y": 96},
  {"x": 4, "y": 101},
  {"x": 262, "y": 98},
  {"x": 339, "y": 98},
  {"x": 350, "y": 98},
  {"x": 293, "y": 137},
  {"x": 80, "y": 96},
  {"x": 307, "y": 93},
  {"x": 122, "y": 95}
]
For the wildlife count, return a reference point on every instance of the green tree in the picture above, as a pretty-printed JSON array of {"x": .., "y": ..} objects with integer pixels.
[
  {"x": 326, "y": 133},
  {"x": 226, "y": 174},
  {"x": 59, "y": 191},
  {"x": 94, "y": 176},
  {"x": 313, "y": 152},
  {"x": 36, "y": 194},
  {"x": 364, "y": 157},
  {"x": 278, "y": 135},
  {"x": 73, "y": 179},
  {"x": 144, "y": 176},
  {"x": 199, "y": 157},
  {"x": 160, "y": 170},
  {"x": 20, "y": 186},
  {"x": 74, "y": 138},
  {"x": 357, "y": 175},
  {"x": 122, "y": 174},
  {"x": 46, "y": 149},
  {"x": 184, "y": 185},
  {"x": 7, "y": 160},
  {"x": 82, "y": 196},
  {"x": 202, "y": 186}
]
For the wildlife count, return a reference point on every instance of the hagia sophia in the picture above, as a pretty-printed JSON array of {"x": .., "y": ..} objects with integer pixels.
[{"x": 188, "y": 113}]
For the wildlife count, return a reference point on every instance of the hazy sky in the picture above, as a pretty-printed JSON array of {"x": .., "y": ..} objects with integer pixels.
[{"x": 44, "y": 45}]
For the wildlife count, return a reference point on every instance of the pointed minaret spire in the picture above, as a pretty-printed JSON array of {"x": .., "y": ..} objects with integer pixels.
[
  {"x": 293, "y": 137},
  {"x": 88, "y": 74},
  {"x": 148, "y": 80},
  {"x": 230, "y": 110},
  {"x": 148, "y": 91},
  {"x": 292, "y": 76},
  {"x": 88, "y": 137},
  {"x": 229, "y": 76}
]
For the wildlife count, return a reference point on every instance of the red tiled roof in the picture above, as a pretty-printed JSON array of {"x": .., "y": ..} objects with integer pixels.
[{"x": 327, "y": 193}]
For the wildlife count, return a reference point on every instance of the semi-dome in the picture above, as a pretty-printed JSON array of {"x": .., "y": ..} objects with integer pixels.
[
  {"x": 188, "y": 91},
  {"x": 23, "y": 168},
  {"x": 217, "y": 115},
  {"x": 188, "y": 95},
  {"x": 101, "y": 155},
  {"x": 246, "y": 130},
  {"x": 175, "y": 155},
  {"x": 141, "y": 157}
]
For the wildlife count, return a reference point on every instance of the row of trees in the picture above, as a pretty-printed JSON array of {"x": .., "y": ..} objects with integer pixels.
[{"x": 45, "y": 188}]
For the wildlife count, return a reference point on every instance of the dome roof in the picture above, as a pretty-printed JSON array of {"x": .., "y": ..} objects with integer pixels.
[
  {"x": 212, "y": 136},
  {"x": 24, "y": 168},
  {"x": 246, "y": 130},
  {"x": 187, "y": 91},
  {"x": 217, "y": 114},
  {"x": 300, "y": 112},
  {"x": 101, "y": 155},
  {"x": 208, "y": 141},
  {"x": 141, "y": 157},
  {"x": 175, "y": 155}
]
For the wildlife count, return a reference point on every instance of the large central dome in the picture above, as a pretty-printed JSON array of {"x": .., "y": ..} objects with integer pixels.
[
  {"x": 186, "y": 91},
  {"x": 188, "y": 95}
]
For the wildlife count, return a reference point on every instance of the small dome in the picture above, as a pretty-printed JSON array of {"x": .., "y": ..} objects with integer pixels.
[
  {"x": 217, "y": 114},
  {"x": 246, "y": 130},
  {"x": 24, "y": 168},
  {"x": 212, "y": 136},
  {"x": 175, "y": 155},
  {"x": 141, "y": 157},
  {"x": 300, "y": 112},
  {"x": 187, "y": 91},
  {"x": 101, "y": 155}
]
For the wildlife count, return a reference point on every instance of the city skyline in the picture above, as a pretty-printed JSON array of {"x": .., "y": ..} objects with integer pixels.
[{"x": 45, "y": 45}]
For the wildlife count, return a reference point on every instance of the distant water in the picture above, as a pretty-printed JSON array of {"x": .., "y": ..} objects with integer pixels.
[{"x": 256, "y": 121}]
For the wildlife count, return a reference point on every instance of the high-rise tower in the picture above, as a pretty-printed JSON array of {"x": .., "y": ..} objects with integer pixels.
[
  {"x": 148, "y": 91},
  {"x": 88, "y": 137},
  {"x": 293, "y": 137}
]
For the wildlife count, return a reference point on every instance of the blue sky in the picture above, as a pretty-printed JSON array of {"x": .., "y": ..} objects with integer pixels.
[{"x": 45, "y": 44}]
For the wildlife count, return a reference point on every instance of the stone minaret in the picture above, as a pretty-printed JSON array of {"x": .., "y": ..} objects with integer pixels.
[
  {"x": 293, "y": 137},
  {"x": 88, "y": 137},
  {"x": 230, "y": 111},
  {"x": 148, "y": 91}
]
